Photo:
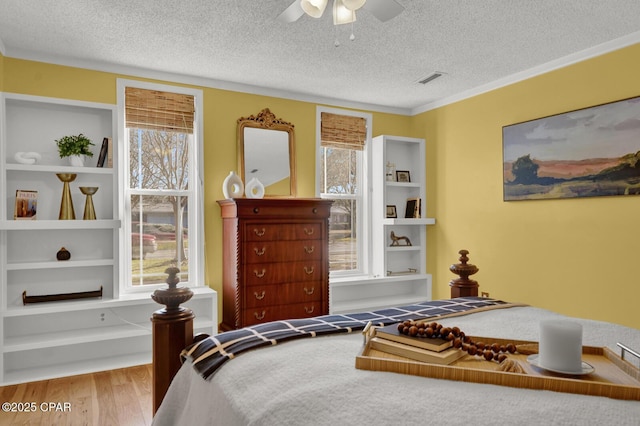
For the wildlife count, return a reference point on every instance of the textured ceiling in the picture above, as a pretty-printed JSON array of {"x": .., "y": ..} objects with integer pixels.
[{"x": 239, "y": 44}]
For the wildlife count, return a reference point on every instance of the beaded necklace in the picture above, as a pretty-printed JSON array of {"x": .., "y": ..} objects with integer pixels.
[{"x": 459, "y": 339}]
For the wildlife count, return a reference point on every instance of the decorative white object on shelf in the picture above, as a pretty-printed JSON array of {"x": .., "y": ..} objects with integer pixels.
[
  {"x": 232, "y": 187},
  {"x": 76, "y": 160},
  {"x": 391, "y": 172},
  {"x": 254, "y": 189},
  {"x": 27, "y": 157}
]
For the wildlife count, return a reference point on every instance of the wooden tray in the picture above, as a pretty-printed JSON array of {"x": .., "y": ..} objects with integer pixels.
[{"x": 613, "y": 377}]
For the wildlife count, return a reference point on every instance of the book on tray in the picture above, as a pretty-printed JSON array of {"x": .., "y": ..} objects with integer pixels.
[
  {"x": 391, "y": 332},
  {"x": 26, "y": 205},
  {"x": 443, "y": 357}
]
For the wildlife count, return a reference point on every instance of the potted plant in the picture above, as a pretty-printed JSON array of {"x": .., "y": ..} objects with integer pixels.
[{"x": 75, "y": 147}]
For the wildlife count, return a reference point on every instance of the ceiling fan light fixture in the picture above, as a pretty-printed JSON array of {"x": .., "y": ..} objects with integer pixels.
[
  {"x": 341, "y": 14},
  {"x": 314, "y": 8},
  {"x": 353, "y": 4}
]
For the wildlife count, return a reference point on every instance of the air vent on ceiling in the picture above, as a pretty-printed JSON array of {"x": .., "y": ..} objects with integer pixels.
[{"x": 431, "y": 77}]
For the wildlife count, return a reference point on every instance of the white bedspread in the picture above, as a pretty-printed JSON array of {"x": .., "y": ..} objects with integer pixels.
[{"x": 315, "y": 382}]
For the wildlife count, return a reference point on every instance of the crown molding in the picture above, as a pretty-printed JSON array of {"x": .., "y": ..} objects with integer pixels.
[
  {"x": 136, "y": 72},
  {"x": 563, "y": 62}
]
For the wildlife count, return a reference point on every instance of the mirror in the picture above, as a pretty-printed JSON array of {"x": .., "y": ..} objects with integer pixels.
[{"x": 266, "y": 152}]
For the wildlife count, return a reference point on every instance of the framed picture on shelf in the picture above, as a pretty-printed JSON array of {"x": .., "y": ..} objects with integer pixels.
[
  {"x": 391, "y": 211},
  {"x": 413, "y": 209},
  {"x": 403, "y": 176},
  {"x": 26, "y": 205}
]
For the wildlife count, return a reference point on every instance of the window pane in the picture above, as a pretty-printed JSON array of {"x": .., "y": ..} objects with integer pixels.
[
  {"x": 341, "y": 171},
  {"x": 159, "y": 237},
  {"x": 158, "y": 159},
  {"x": 343, "y": 247},
  {"x": 339, "y": 178}
]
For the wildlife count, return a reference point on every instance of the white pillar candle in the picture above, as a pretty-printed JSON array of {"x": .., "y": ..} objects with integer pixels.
[{"x": 560, "y": 346}]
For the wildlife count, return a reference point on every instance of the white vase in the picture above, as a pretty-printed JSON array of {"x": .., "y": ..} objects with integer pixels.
[
  {"x": 76, "y": 160},
  {"x": 232, "y": 186},
  {"x": 254, "y": 189}
]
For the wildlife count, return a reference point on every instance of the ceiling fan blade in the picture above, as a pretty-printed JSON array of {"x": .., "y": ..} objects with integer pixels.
[
  {"x": 292, "y": 13},
  {"x": 383, "y": 9}
]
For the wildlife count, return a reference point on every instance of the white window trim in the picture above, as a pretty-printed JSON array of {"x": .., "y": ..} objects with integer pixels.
[
  {"x": 196, "y": 216},
  {"x": 364, "y": 223}
]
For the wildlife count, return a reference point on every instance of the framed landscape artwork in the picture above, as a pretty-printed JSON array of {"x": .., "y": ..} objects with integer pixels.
[{"x": 584, "y": 153}]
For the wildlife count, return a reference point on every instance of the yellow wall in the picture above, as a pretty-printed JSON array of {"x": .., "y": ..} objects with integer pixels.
[{"x": 575, "y": 256}]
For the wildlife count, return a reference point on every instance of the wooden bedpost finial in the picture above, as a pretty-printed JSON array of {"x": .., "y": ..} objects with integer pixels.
[
  {"x": 173, "y": 296},
  {"x": 463, "y": 286}
]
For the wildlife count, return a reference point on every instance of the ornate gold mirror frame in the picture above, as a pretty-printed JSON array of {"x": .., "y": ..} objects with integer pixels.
[{"x": 266, "y": 151}]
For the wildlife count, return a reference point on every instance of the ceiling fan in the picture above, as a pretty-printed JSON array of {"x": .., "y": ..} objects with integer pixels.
[{"x": 344, "y": 11}]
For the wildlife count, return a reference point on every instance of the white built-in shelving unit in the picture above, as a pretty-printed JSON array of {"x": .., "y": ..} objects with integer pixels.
[
  {"x": 399, "y": 274},
  {"x": 54, "y": 339}
]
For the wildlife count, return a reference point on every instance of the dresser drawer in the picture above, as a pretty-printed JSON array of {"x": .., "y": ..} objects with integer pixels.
[
  {"x": 282, "y": 231},
  {"x": 281, "y": 294},
  {"x": 283, "y": 272},
  {"x": 273, "y": 208},
  {"x": 282, "y": 251},
  {"x": 260, "y": 315}
]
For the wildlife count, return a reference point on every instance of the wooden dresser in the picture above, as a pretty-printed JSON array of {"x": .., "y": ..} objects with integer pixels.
[{"x": 275, "y": 259}]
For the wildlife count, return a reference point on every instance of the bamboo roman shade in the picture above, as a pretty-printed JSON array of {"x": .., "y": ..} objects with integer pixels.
[
  {"x": 157, "y": 110},
  {"x": 342, "y": 131}
]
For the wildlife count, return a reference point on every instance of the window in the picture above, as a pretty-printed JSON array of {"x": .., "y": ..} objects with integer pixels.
[
  {"x": 161, "y": 141},
  {"x": 342, "y": 176}
]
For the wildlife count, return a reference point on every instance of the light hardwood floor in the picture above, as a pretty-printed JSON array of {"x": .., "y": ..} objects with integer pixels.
[{"x": 120, "y": 397}]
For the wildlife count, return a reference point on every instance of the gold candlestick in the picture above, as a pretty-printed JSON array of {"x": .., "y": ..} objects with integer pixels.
[
  {"x": 89, "y": 211},
  {"x": 66, "y": 203}
]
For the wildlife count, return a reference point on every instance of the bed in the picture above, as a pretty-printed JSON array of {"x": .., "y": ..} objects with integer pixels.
[{"x": 312, "y": 380}]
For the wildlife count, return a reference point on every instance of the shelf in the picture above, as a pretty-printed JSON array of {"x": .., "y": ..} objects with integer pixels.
[
  {"x": 75, "y": 368},
  {"x": 374, "y": 303},
  {"x": 18, "y": 266},
  {"x": 403, "y": 248},
  {"x": 409, "y": 221},
  {"x": 86, "y": 335},
  {"x": 403, "y": 184},
  {"x": 139, "y": 298},
  {"x": 45, "y": 168},
  {"x": 44, "y": 225},
  {"x": 347, "y": 282}
]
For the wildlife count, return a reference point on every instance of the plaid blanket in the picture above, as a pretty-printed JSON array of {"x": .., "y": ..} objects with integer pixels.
[{"x": 209, "y": 354}]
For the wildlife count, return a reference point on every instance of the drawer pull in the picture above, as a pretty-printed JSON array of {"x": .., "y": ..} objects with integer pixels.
[
  {"x": 314, "y": 210},
  {"x": 309, "y": 292},
  {"x": 309, "y": 250},
  {"x": 308, "y": 271},
  {"x": 259, "y": 274},
  {"x": 258, "y": 251},
  {"x": 259, "y": 296},
  {"x": 260, "y": 232},
  {"x": 256, "y": 210},
  {"x": 308, "y": 231},
  {"x": 259, "y": 316},
  {"x": 309, "y": 311}
]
